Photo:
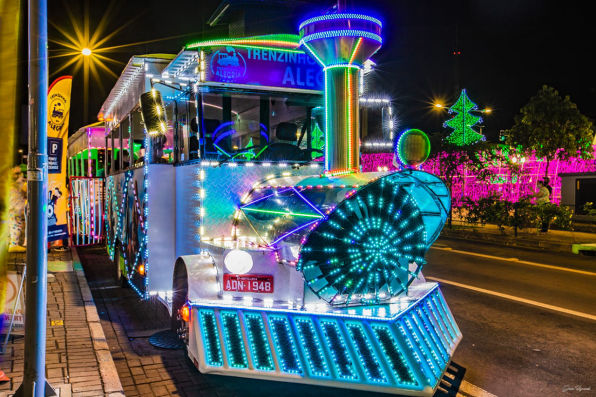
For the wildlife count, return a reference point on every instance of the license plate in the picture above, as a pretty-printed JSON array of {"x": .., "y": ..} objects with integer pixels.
[{"x": 261, "y": 283}]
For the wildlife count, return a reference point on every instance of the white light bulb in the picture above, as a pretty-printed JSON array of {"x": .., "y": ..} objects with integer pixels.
[{"x": 238, "y": 261}]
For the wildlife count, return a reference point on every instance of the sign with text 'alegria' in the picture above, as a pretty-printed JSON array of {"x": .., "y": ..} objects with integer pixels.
[{"x": 264, "y": 67}]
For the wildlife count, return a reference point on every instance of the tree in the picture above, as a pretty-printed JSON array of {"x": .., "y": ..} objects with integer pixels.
[
  {"x": 452, "y": 159},
  {"x": 552, "y": 127},
  {"x": 463, "y": 134}
]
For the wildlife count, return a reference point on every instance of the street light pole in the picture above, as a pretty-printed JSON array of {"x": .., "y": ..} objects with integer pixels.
[{"x": 34, "y": 381}]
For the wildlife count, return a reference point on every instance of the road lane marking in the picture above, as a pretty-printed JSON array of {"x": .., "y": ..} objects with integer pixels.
[
  {"x": 468, "y": 389},
  {"x": 515, "y": 298},
  {"x": 565, "y": 269}
]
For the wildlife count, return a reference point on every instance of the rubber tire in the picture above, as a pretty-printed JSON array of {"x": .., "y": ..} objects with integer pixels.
[{"x": 179, "y": 293}]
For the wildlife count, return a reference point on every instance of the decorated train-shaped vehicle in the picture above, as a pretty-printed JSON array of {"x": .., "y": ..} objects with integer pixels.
[{"x": 277, "y": 260}]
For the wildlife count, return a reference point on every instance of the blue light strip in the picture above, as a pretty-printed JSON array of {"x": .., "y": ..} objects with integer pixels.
[
  {"x": 439, "y": 316},
  {"x": 399, "y": 354},
  {"x": 148, "y": 160},
  {"x": 421, "y": 345},
  {"x": 343, "y": 314},
  {"x": 397, "y": 361},
  {"x": 210, "y": 336},
  {"x": 342, "y": 360},
  {"x": 426, "y": 339},
  {"x": 368, "y": 359},
  {"x": 417, "y": 353},
  {"x": 234, "y": 340},
  {"x": 434, "y": 322},
  {"x": 423, "y": 321},
  {"x": 311, "y": 347},
  {"x": 258, "y": 342},
  {"x": 283, "y": 340},
  {"x": 224, "y": 135},
  {"x": 340, "y": 33},
  {"x": 438, "y": 300},
  {"x": 331, "y": 17}
]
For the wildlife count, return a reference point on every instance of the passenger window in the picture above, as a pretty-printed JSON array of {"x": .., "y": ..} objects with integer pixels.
[
  {"x": 256, "y": 128},
  {"x": 137, "y": 137}
]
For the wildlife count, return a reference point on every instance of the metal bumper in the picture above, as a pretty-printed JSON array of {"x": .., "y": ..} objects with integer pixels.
[{"x": 400, "y": 349}]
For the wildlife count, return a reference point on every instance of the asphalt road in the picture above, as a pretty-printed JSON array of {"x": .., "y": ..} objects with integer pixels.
[
  {"x": 512, "y": 344},
  {"x": 510, "y": 347}
]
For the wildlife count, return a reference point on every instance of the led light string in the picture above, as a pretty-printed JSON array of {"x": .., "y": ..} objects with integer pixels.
[
  {"x": 351, "y": 255},
  {"x": 341, "y": 15}
]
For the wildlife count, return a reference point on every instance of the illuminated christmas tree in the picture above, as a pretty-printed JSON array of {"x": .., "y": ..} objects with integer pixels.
[{"x": 463, "y": 134}]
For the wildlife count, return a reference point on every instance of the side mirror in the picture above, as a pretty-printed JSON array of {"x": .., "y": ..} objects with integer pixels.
[{"x": 154, "y": 115}]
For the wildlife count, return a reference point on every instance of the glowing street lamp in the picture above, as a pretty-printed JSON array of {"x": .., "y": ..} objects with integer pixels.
[{"x": 86, "y": 52}]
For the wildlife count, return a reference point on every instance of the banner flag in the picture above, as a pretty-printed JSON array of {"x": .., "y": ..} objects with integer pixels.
[{"x": 58, "y": 112}]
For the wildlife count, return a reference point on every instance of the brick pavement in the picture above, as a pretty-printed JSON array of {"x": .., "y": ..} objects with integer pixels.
[
  {"x": 148, "y": 371},
  {"x": 76, "y": 359}
]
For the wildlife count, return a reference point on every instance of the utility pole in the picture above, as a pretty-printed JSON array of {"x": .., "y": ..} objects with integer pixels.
[{"x": 34, "y": 380}]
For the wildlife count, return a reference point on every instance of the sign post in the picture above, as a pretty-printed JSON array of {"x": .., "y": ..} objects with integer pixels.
[{"x": 34, "y": 379}]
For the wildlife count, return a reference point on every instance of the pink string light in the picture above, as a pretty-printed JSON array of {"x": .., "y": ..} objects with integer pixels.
[{"x": 504, "y": 182}]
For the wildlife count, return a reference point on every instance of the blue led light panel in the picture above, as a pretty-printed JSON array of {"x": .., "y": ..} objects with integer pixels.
[
  {"x": 258, "y": 342},
  {"x": 234, "y": 340},
  {"x": 368, "y": 358},
  {"x": 335, "y": 342},
  {"x": 283, "y": 340},
  {"x": 210, "y": 336},
  {"x": 400, "y": 367},
  {"x": 311, "y": 347}
]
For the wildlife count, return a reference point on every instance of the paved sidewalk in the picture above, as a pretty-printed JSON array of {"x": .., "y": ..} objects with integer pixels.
[
  {"x": 553, "y": 240},
  {"x": 78, "y": 359}
]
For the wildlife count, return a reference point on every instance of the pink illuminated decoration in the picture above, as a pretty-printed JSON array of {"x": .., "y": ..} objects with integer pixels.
[{"x": 507, "y": 184}]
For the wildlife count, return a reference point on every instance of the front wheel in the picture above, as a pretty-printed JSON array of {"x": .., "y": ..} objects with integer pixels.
[{"x": 179, "y": 320}]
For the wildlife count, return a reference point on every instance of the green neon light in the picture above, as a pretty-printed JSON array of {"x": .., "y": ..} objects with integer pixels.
[
  {"x": 282, "y": 213},
  {"x": 463, "y": 122},
  {"x": 272, "y": 40},
  {"x": 413, "y": 147},
  {"x": 261, "y": 47}
]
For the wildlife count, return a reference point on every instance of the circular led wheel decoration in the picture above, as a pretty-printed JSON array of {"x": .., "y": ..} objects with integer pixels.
[
  {"x": 413, "y": 147},
  {"x": 370, "y": 248},
  {"x": 238, "y": 261}
]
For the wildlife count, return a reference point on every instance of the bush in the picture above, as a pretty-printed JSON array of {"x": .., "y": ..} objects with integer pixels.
[
  {"x": 487, "y": 210},
  {"x": 558, "y": 216},
  {"x": 522, "y": 214},
  {"x": 590, "y": 209}
]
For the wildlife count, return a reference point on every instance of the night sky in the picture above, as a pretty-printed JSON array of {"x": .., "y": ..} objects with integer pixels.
[{"x": 508, "y": 50}]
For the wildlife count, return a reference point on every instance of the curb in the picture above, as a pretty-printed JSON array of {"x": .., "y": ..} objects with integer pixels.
[{"x": 107, "y": 368}]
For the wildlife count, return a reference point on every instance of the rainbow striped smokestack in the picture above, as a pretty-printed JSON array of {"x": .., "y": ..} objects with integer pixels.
[{"x": 341, "y": 42}]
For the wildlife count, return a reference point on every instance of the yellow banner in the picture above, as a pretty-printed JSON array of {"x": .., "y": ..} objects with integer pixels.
[{"x": 58, "y": 112}]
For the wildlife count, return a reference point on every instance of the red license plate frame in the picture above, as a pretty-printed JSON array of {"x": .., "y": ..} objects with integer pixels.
[{"x": 254, "y": 283}]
